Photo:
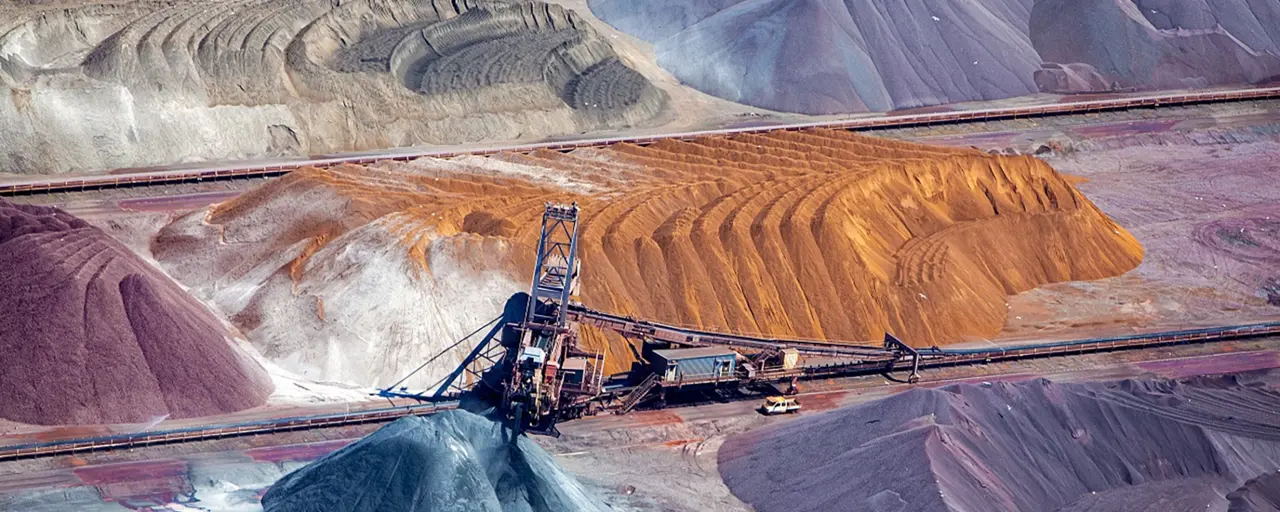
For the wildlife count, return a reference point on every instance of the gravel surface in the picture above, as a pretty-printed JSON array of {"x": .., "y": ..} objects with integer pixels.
[
  {"x": 1208, "y": 215},
  {"x": 1261, "y": 494},
  {"x": 1167, "y": 44},
  {"x": 846, "y": 56}
]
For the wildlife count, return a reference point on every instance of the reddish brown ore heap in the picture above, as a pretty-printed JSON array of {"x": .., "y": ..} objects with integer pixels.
[{"x": 91, "y": 334}]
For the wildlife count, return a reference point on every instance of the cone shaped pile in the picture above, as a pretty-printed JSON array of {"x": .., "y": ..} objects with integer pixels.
[
  {"x": 449, "y": 461},
  {"x": 91, "y": 334}
]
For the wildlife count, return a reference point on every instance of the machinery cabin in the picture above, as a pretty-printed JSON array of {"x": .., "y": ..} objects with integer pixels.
[{"x": 686, "y": 366}]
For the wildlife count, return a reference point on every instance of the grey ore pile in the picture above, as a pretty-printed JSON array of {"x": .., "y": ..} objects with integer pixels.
[{"x": 455, "y": 460}]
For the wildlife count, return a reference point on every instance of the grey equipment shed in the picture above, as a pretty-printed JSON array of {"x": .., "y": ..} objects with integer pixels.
[{"x": 690, "y": 365}]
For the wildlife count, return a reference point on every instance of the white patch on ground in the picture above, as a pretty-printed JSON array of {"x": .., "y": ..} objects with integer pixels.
[
  {"x": 225, "y": 487},
  {"x": 365, "y": 313},
  {"x": 474, "y": 164}
]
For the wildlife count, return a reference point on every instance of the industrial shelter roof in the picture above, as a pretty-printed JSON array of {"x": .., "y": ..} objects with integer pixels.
[{"x": 689, "y": 353}]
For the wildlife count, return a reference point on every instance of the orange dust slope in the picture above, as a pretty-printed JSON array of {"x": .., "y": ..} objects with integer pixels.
[{"x": 819, "y": 233}]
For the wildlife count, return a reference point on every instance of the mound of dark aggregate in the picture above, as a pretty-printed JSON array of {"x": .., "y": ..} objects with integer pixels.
[
  {"x": 1134, "y": 445},
  {"x": 91, "y": 334},
  {"x": 455, "y": 460}
]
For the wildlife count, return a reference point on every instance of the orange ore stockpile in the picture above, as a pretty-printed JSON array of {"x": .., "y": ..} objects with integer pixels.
[{"x": 816, "y": 234}]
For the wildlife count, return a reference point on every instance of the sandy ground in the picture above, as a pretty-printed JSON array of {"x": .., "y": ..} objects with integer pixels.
[
  {"x": 1210, "y": 226},
  {"x": 389, "y": 263},
  {"x": 1117, "y": 155}
]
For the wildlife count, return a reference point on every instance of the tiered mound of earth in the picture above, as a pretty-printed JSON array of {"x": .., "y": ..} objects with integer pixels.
[
  {"x": 91, "y": 334},
  {"x": 360, "y": 273},
  {"x": 121, "y": 84}
]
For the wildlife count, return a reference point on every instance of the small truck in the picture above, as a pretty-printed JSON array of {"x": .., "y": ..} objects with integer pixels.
[{"x": 779, "y": 405}]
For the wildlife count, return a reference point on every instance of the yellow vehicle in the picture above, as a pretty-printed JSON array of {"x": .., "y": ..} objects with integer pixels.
[{"x": 779, "y": 405}]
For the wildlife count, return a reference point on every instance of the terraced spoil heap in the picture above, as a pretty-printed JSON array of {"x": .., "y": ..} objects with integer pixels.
[
  {"x": 1167, "y": 44},
  {"x": 123, "y": 84},
  {"x": 360, "y": 273},
  {"x": 1136, "y": 445},
  {"x": 91, "y": 334},
  {"x": 449, "y": 461},
  {"x": 837, "y": 56}
]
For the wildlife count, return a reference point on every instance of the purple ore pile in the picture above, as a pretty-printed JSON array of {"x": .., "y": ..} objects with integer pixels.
[
  {"x": 1155, "y": 44},
  {"x": 91, "y": 334},
  {"x": 1135, "y": 445},
  {"x": 838, "y": 56},
  {"x": 454, "y": 460},
  {"x": 846, "y": 56}
]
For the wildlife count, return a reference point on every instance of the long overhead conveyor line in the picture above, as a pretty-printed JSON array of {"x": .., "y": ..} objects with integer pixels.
[
  {"x": 280, "y": 168},
  {"x": 864, "y": 358},
  {"x": 631, "y": 327},
  {"x": 955, "y": 357},
  {"x": 544, "y": 374}
]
